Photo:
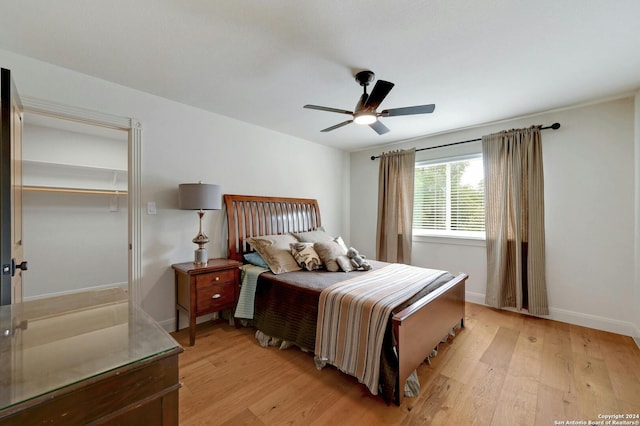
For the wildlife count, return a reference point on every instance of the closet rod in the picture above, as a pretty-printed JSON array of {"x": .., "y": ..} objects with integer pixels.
[
  {"x": 75, "y": 190},
  {"x": 554, "y": 126}
]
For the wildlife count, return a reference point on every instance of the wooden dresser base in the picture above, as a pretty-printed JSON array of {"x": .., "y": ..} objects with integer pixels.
[{"x": 139, "y": 394}]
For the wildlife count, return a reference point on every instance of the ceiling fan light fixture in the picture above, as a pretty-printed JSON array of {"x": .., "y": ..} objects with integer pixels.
[{"x": 365, "y": 118}]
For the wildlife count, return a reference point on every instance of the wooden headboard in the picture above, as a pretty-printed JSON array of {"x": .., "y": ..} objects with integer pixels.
[{"x": 252, "y": 216}]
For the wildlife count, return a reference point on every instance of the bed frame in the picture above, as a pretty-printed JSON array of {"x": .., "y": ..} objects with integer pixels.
[{"x": 418, "y": 328}]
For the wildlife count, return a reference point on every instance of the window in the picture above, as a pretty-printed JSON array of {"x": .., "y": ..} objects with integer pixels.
[{"x": 449, "y": 198}]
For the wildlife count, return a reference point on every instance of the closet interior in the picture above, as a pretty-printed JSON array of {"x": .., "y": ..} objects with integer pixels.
[{"x": 75, "y": 221}]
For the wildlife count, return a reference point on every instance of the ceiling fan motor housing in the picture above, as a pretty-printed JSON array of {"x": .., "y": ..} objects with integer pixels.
[{"x": 365, "y": 77}]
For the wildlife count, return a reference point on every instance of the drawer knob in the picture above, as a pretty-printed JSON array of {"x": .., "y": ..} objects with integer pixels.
[
  {"x": 216, "y": 296},
  {"x": 217, "y": 278}
]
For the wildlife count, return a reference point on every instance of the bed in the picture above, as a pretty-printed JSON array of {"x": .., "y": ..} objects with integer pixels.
[{"x": 286, "y": 304}]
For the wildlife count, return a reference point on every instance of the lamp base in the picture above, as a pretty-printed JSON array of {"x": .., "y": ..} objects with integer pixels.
[{"x": 201, "y": 257}]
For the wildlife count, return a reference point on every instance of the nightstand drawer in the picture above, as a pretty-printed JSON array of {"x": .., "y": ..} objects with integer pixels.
[
  {"x": 215, "y": 297},
  {"x": 217, "y": 277}
]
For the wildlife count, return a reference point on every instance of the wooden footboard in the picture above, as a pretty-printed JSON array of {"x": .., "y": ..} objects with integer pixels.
[{"x": 421, "y": 326}]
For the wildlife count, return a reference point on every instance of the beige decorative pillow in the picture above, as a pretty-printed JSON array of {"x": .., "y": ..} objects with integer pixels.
[
  {"x": 306, "y": 256},
  {"x": 329, "y": 252},
  {"x": 276, "y": 251},
  {"x": 317, "y": 236}
]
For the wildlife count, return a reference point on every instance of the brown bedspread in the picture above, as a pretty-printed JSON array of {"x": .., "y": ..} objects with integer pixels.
[{"x": 286, "y": 307}]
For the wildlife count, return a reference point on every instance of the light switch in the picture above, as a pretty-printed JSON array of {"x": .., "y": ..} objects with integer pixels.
[{"x": 151, "y": 207}]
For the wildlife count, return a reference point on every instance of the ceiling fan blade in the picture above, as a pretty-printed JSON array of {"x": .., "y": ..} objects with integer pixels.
[
  {"x": 344, "y": 123},
  {"x": 321, "y": 108},
  {"x": 420, "y": 109},
  {"x": 379, "y": 92},
  {"x": 380, "y": 128}
]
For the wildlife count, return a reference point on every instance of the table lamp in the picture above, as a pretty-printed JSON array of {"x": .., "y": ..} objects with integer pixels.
[{"x": 200, "y": 196}]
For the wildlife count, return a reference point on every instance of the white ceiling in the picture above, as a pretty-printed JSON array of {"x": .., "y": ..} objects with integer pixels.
[{"x": 261, "y": 61}]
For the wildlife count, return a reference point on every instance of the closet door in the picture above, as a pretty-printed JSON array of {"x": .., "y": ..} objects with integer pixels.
[{"x": 11, "y": 249}]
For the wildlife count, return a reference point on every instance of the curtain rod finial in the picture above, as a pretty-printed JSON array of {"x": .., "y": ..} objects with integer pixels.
[
  {"x": 555, "y": 126},
  {"x": 373, "y": 157}
]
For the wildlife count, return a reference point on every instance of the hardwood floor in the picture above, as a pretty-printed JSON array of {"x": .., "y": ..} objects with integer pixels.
[{"x": 503, "y": 368}]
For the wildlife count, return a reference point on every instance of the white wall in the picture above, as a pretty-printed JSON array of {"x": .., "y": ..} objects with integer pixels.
[
  {"x": 184, "y": 144},
  {"x": 589, "y": 213},
  {"x": 73, "y": 145},
  {"x": 73, "y": 242}
]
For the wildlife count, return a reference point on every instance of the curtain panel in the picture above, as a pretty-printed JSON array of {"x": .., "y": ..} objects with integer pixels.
[
  {"x": 395, "y": 206},
  {"x": 514, "y": 220}
]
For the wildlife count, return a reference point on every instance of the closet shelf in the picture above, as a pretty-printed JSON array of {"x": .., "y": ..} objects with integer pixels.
[
  {"x": 42, "y": 176},
  {"x": 74, "y": 190},
  {"x": 48, "y": 164}
]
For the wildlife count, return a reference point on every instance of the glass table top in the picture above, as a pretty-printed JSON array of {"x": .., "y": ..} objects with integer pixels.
[{"x": 47, "y": 344}]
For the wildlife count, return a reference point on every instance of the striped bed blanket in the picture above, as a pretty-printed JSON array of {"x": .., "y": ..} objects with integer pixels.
[{"x": 353, "y": 316}]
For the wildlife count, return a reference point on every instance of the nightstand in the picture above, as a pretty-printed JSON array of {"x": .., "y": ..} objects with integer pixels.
[{"x": 202, "y": 290}]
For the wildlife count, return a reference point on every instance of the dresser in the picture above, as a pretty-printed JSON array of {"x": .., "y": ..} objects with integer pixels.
[
  {"x": 91, "y": 357},
  {"x": 202, "y": 290}
]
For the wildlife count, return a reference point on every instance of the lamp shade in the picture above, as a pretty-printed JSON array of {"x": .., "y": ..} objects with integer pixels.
[{"x": 196, "y": 196}]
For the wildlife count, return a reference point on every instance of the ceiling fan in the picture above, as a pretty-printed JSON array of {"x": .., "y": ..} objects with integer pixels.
[{"x": 365, "y": 111}]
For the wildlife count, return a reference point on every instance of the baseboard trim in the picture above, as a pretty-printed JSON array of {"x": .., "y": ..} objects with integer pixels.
[
  {"x": 170, "y": 324},
  {"x": 123, "y": 285},
  {"x": 576, "y": 318},
  {"x": 636, "y": 336},
  {"x": 476, "y": 298},
  {"x": 592, "y": 321}
]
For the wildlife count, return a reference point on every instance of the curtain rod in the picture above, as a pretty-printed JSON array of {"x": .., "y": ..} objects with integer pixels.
[{"x": 554, "y": 126}]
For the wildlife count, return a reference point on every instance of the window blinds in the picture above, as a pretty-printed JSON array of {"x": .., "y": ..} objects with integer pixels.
[{"x": 449, "y": 196}]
